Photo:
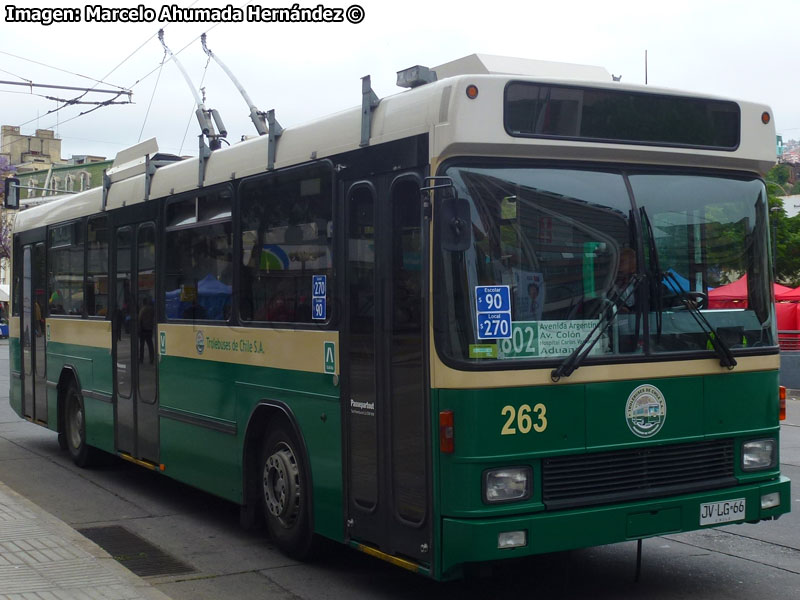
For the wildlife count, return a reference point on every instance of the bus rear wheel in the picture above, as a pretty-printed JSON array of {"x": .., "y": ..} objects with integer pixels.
[
  {"x": 82, "y": 454},
  {"x": 285, "y": 493}
]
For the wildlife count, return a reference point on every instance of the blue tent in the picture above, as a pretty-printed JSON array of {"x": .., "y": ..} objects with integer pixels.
[
  {"x": 213, "y": 297},
  {"x": 671, "y": 277}
]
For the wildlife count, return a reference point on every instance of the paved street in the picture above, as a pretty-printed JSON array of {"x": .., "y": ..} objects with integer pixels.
[{"x": 219, "y": 560}]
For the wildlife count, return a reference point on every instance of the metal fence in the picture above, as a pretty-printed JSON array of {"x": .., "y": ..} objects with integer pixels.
[{"x": 789, "y": 340}]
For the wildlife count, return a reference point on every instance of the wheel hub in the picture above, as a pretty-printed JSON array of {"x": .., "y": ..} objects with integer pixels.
[{"x": 282, "y": 486}]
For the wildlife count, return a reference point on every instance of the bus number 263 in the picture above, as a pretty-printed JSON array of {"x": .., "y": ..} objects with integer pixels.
[{"x": 523, "y": 420}]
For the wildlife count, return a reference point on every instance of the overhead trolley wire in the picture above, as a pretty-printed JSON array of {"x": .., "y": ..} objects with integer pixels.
[
  {"x": 58, "y": 69},
  {"x": 15, "y": 75},
  {"x": 99, "y": 81},
  {"x": 152, "y": 96}
]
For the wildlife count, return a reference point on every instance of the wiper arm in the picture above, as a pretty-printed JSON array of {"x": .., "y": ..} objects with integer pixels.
[
  {"x": 576, "y": 358},
  {"x": 722, "y": 349}
]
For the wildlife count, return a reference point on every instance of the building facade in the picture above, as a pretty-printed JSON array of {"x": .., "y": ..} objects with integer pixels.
[
  {"x": 63, "y": 178},
  {"x": 30, "y": 152}
]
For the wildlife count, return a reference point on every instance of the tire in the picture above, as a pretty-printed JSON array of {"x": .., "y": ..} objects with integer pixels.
[
  {"x": 284, "y": 492},
  {"x": 82, "y": 454}
]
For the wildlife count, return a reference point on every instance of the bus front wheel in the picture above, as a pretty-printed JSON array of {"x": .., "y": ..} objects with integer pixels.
[
  {"x": 75, "y": 428},
  {"x": 285, "y": 493}
]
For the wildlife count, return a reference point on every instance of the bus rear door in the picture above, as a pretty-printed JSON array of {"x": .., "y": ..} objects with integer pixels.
[
  {"x": 133, "y": 330},
  {"x": 34, "y": 333}
]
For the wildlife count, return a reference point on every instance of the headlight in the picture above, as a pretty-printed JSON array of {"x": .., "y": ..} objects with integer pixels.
[
  {"x": 507, "y": 485},
  {"x": 758, "y": 455}
]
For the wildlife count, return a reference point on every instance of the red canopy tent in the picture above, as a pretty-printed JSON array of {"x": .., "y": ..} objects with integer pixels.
[
  {"x": 734, "y": 295},
  {"x": 787, "y": 315},
  {"x": 787, "y": 311},
  {"x": 792, "y": 295}
]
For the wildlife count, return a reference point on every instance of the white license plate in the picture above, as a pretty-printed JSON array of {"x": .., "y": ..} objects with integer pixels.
[{"x": 722, "y": 512}]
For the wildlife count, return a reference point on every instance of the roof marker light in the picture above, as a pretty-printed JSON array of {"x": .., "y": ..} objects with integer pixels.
[{"x": 472, "y": 91}]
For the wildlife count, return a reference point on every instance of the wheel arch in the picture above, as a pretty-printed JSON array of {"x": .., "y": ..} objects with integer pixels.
[{"x": 264, "y": 415}]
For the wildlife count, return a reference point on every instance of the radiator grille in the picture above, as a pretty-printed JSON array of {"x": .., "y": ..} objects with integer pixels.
[{"x": 623, "y": 475}]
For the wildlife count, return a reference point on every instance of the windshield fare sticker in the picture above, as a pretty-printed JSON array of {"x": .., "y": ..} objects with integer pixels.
[
  {"x": 646, "y": 411},
  {"x": 493, "y": 307}
]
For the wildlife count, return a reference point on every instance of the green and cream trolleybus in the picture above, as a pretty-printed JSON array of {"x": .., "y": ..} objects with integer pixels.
[{"x": 467, "y": 322}]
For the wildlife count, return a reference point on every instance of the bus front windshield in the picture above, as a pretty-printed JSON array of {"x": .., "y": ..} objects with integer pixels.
[{"x": 648, "y": 262}]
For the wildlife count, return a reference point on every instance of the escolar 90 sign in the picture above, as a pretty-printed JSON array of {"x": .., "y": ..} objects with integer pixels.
[{"x": 493, "y": 307}]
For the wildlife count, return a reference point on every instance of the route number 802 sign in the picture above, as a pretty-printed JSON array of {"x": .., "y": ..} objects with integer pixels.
[{"x": 493, "y": 307}]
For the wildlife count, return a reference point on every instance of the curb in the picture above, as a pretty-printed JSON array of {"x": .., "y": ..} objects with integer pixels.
[{"x": 40, "y": 555}]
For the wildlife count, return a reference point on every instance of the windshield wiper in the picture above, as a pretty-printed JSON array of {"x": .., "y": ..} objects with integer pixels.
[
  {"x": 607, "y": 316},
  {"x": 658, "y": 276},
  {"x": 722, "y": 349}
]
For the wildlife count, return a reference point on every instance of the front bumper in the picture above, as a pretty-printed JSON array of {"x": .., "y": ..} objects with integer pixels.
[{"x": 475, "y": 540}]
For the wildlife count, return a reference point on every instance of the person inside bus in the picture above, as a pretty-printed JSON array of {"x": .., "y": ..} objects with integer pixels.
[
  {"x": 37, "y": 319},
  {"x": 279, "y": 309}
]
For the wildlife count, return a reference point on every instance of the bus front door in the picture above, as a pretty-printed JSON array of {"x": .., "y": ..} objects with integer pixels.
[
  {"x": 34, "y": 336},
  {"x": 136, "y": 376},
  {"x": 384, "y": 381}
]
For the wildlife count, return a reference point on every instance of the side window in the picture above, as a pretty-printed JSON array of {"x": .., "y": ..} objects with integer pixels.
[
  {"x": 65, "y": 264},
  {"x": 97, "y": 238},
  {"x": 199, "y": 255},
  {"x": 287, "y": 251}
]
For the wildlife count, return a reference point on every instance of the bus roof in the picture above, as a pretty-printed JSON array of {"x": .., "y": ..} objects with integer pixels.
[
  {"x": 456, "y": 125},
  {"x": 489, "y": 64}
]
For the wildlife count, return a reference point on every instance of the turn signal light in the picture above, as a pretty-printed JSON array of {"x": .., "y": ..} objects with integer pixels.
[
  {"x": 447, "y": 442},
  {"x": 782, "y": 400}
]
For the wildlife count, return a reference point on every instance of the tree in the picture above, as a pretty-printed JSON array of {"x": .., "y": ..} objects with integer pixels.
[
  {"x": 6, "y": 170},
  {"x": 780, "y": 174},
  {"x": 786, "y": 234}
]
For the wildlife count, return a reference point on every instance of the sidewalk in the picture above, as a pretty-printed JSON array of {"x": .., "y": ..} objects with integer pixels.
[{"x": 42, "y": 558}]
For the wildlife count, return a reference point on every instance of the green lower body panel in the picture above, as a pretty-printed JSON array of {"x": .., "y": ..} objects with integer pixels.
[
  {"x": 204, "y": 458},
  {"x": 99, "y": 424},
  {"x": 206, "y": 410},
  {"x": 476, "y": 540}
]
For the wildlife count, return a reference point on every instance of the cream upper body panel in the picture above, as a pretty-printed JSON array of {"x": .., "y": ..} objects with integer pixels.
[
  {"x": 444, "y": 377},
  {"x": 476, "y": 128},
  {"x": 457, "y": 125}
]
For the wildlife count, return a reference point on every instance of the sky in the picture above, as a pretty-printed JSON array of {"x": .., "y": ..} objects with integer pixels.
[{"x": 739, "y": 49}]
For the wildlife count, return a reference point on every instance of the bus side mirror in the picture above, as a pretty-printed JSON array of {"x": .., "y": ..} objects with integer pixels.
[
  {"x": 453, "y": 216},
  {"x": 11, "y": 193},
  {"x": 455, "y": 222}
]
